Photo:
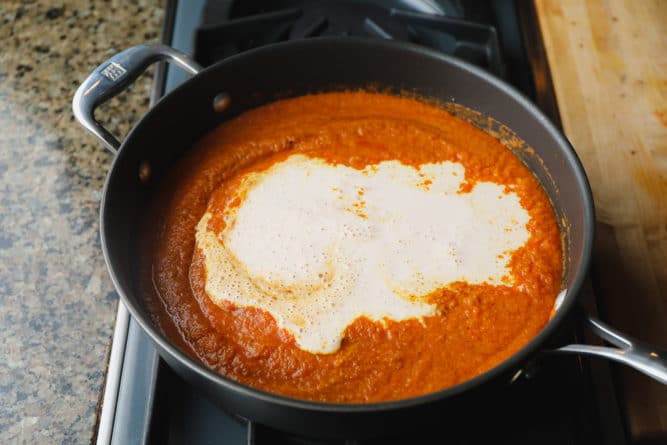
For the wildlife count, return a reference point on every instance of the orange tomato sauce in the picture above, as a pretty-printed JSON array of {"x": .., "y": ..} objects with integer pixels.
[{"x": 477, "y": 326}]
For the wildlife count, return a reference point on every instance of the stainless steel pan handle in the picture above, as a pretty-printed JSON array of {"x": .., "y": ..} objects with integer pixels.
[
  {"x": 636, "y": 354},
  {"x": 116, "y": 74}
]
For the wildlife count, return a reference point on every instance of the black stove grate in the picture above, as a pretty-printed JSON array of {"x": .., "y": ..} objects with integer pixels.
[{"x": 232, "y": 27}]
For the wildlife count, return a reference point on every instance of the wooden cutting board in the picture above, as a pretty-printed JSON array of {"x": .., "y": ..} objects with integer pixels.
[{"x": 608, "y": 61}]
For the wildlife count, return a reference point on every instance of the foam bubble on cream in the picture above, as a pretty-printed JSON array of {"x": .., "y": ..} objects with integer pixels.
[{"x": 319, "y": 245}]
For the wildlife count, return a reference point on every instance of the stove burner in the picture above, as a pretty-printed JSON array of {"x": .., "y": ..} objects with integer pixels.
[{"x": 233, "y": 27}]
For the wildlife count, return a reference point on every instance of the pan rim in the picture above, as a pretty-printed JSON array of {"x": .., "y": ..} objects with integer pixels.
[{"x": 164, "y": 344}]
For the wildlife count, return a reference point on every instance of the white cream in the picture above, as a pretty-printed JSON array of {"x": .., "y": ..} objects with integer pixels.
[{"x": 318, "y": 245}]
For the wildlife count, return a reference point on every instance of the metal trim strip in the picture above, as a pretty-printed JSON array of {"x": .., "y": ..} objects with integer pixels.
[{"x": 114, "y": 371}]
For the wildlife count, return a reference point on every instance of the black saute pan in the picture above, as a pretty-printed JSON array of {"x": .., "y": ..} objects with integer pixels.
[{"x": 294, "y": 68}]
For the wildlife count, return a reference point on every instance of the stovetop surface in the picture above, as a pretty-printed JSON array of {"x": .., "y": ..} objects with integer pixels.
[{"x": 555, "y": 406}]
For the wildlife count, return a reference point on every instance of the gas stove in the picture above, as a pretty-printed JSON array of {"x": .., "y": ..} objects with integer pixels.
[{"x": 567, "y": 401}]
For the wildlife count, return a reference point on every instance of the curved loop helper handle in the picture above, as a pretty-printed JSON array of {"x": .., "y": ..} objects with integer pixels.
[{"x": 116, "y": 74}]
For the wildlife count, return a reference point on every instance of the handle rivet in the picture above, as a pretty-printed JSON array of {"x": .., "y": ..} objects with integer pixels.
[
  {"x": 144, "y": 171},
  {"x": 221, "y": 102}
]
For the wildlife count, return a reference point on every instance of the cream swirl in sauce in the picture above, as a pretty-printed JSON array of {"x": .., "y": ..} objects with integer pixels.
[{"x": 318, "y": 245}]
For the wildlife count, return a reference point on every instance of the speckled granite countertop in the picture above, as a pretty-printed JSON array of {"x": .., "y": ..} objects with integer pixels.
[{"x": 57, "y": 304}]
